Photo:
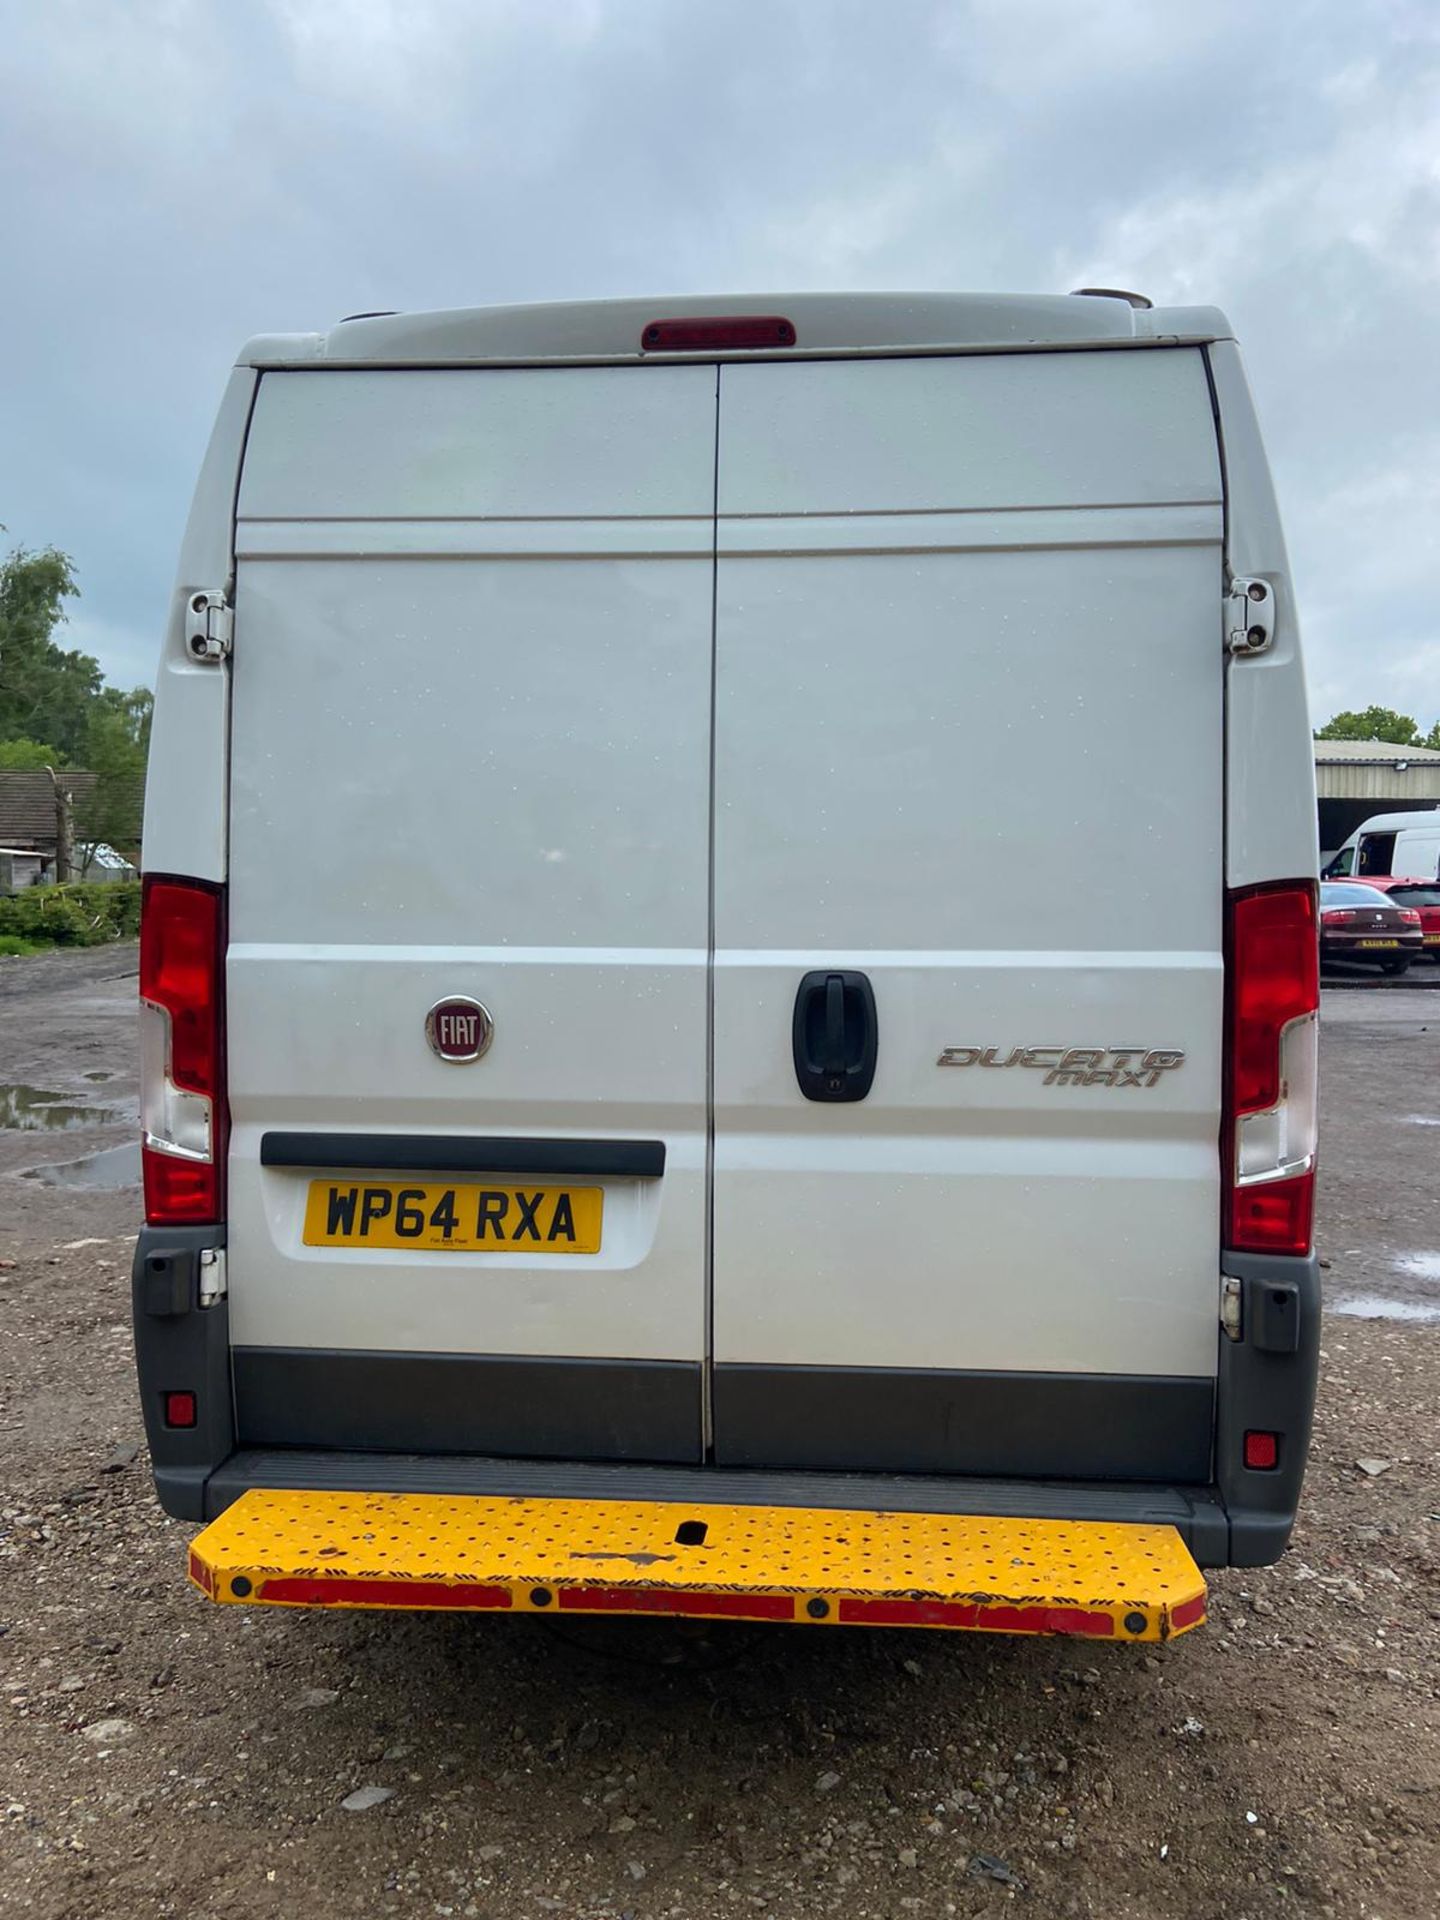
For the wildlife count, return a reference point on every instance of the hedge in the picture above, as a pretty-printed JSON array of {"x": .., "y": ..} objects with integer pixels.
[{"x": 85, "y": 914}]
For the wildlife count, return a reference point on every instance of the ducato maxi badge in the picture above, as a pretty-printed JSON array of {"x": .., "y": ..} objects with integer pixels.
[{"x": 1075, "y": 1066}]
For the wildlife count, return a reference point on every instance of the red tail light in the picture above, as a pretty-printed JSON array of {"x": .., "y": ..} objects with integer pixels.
[
  {"x": 182, "y": 1096},
  {"x": 1269, "y": 1127},
  {"x": 1410, "y": 917},
  {"x": 1337, "y": 916}
]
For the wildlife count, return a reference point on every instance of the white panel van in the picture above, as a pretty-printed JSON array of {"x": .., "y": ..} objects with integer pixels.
[
  {"x": 1404, "y": 843},
  {"x": 730, "y": 914}
]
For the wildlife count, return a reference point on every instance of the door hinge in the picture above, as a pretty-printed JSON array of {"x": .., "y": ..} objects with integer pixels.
[
  {"x": 209, "y": 626},
  {"x": 213, "y": 1284},
  {"x": 1231, "y": 1307},
  {"x": 1249, "y": 616}
]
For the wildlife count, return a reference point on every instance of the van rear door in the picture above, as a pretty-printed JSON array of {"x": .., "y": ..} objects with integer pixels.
[
  {"x": 969, "y": 751},
  {"x": 470, "y": 763}
]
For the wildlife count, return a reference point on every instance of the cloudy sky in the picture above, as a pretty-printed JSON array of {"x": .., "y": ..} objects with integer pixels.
[{"x": 180, "y": 174}]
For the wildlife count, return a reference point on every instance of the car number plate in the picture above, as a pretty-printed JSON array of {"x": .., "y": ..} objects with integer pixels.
[
  {"x": 1431, "y": 939},
  {"x": 1378, "y": 943},
  {"x": 451, "y": 1217}
]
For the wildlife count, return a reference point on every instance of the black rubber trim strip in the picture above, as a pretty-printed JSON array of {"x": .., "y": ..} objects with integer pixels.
[
  {"x": 852, "y": 1420},
  {"x": 555, "y": 1407},
  {"x": 1196, "y": 1512},
  {"x": 462, "y": 1153},
  {"x": 1090, "y": 1426}
]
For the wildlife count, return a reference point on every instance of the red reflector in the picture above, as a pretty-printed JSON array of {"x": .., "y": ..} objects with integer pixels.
[
  {"x": 1262, "y": 1452},
  {"x": 179, "y": 1409},
  {"x": 1274, "y": 1216},
  {"x": 1187, "y": 1613},
  {"x": 717, "y": 331}
]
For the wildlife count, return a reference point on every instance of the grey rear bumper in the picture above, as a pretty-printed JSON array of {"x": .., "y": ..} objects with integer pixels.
[{"x": 1229, "y": 1516}]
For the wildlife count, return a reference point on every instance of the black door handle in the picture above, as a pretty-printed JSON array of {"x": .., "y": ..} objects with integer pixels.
[{"x": 835, "y": 1036}]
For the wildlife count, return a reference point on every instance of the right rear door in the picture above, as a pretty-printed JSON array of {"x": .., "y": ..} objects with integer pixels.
[{"x": 969, "y": 746}]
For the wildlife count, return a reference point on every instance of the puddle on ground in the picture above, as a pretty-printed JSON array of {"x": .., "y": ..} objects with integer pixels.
[
  {"x": 1418, "y": 1266},
  {"x": 97, "y": 1074},
  {"x": 1374, "y": 1306},
  {"x": 38, "y": 1110},
  {"x": 114, "y": 1167},
  {"x": 1411, "y": 1120}
]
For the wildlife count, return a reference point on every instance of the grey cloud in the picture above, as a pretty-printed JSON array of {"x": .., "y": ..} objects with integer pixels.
[{"x": 186, "y": 172}]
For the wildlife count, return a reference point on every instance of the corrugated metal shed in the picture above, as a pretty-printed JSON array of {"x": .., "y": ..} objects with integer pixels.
[{"x": 1393, "y": 777}]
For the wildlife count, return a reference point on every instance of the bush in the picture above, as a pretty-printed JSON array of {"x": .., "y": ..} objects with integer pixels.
[{"x": 86, "y": 914}]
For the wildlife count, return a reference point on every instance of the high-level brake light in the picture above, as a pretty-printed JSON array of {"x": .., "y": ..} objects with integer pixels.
[
  {"x": 182, "y": 1090},
  {"x": 1269, "y": 1128},
  {"x": 710, "y": 333}
]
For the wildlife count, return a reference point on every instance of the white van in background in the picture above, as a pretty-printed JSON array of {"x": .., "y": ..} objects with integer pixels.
[
  {"x": 730, "y": 928},
  {"x": 1403, "y": 843}
]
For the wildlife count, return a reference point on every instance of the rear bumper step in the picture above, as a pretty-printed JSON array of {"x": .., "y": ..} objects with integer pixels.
[{"x": 807, "y": 1566}]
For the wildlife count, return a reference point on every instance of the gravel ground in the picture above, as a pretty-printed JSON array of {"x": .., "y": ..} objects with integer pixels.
[{"x": 162, "y": 1756}]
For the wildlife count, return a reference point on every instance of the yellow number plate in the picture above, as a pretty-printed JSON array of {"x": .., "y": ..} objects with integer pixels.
[
  {"x": 461, "y": 1219},
  {"x": 1378, "y": 943}
]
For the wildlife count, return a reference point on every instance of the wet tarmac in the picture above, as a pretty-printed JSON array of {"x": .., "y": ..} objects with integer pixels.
[
  {"x": 103, "y": 1172},
  {"x": 27, "y": 1109},
  {"x": 1379, "y": 1157}
]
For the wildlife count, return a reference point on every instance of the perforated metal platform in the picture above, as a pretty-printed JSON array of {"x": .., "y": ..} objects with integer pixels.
[{"x": 786, "y": 1564}]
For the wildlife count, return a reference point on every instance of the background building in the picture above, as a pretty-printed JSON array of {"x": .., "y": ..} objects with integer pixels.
[{"x": 1355, "y": 778}]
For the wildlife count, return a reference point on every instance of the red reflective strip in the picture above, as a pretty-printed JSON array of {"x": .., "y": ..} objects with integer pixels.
[
  {"x": 944, "y": 1613},
  {"x": 201, "y": 1574},
  {"x": 733, "y": 1606},
  {"x": 1188, "y": 1614},
  {"x": 306, "y": 1590}
]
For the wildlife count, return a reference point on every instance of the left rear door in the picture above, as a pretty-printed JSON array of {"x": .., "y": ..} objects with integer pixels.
[{"x": 471, "y": 717}]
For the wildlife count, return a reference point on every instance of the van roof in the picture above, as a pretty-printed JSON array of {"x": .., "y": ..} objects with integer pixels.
[
  {"x": 825, "y": 324},
  {"x": 1384, "y": 822}
]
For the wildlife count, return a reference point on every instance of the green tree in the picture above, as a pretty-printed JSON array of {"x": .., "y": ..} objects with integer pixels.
[
  {"x": 117, "y": 740},
  {"x": 56, "y": 711},
  {"x": 45, "y": 690},
  {"x": 27, "y": 756},
  {"x": 1432, "y": 738},
  {"x": 1375, "y": 723}
]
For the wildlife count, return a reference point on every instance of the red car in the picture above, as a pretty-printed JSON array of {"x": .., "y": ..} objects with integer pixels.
[
  {"x": 1423, "y": 896},
  {"x": 1360, "y": 925}
]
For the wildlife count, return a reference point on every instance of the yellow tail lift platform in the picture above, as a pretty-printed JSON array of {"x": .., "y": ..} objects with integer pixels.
[{"x": 810, "y": 1567}]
